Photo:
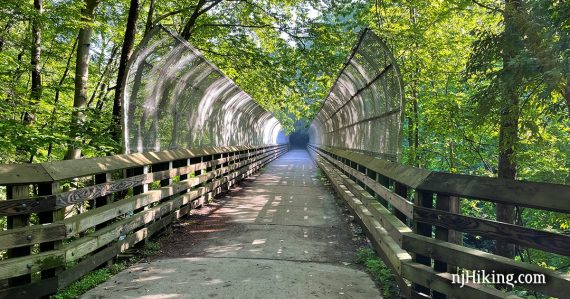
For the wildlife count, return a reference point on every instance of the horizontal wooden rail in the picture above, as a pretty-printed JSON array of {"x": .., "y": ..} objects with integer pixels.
[
  {"x": 544, "y": 196},
  {"x": 108, "y": 216},
  {"x": 11, "y": 174},
  {"x": 402, "y": 231}
]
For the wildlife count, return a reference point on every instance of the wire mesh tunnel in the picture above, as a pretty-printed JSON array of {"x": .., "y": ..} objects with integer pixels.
[
  {"x": 364, "y": 108},
  {"x": 175, "y": 98}
]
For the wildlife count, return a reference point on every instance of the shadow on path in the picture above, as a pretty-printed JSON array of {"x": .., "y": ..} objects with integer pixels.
[{"x": 280, "y": 234}]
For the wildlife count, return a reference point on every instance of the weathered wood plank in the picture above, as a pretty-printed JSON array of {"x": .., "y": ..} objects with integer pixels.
[
  {"x": 93, "y": 241},
  {"x": 88, "y": 193},
  {"x": 61, "y": 170},
  {"x": 451, "y": 254},
  {"x": 72, "y": 274},
  {"x": 30, "y": 235},
  {"x": 544, "y": 196},
  {"x": 175, "y": 207},
  {"x": 92, "y": 262},
  {"x": 392, "y": 224},
  {"x": 51, "y": 202},
  {"x": 32, "y": 290},
  {"x": 26, "y": 206},
  {"x": 90, "y": 243},
  {"x": 83, "y": 221},
  {"x": 91, "y": 218},
  {"x": 105, "y": 199},
  {"x": 557, "y": 284},
  {"x": 527, "y": 237},
  {"x": 401, "y": 190},
  {"x": 14, "y": 174},
  {"x": 24, "y": 265},
  {"x": 384, "y": 182},
  {"x": 407, "y": 175},
  {"x": 397, "y": 201},
  {"x": 442, "y": 282},
  {"x": 386, "y": 248}
]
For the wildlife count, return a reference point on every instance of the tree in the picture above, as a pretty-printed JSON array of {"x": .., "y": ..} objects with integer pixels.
[
  {"x": 509, "y": 120},
  {"x": 36, "y": 87},
  {"x": 81, "y": 77},
  {"x": 126, "y": 51}
]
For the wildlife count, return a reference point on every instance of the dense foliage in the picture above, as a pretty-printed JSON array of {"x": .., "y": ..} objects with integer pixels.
[{"x": 461, "y": 61}]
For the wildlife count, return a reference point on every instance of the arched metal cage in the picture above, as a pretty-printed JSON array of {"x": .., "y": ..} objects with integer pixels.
[
  {"x": 364, "y": 109},
  {"x": 175, "y": 98}
]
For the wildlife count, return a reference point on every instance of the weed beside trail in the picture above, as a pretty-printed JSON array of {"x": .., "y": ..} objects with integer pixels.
[
  {"x": 99, "y": 276},
  {"x": 379, "y": 271}
]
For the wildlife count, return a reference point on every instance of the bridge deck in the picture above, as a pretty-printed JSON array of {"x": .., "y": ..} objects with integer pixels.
[{"x": 279, "y": 235}]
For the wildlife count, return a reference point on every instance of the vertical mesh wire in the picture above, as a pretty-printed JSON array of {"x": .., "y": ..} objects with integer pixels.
[
  {"x": 175, "y": 98},
  {"x": 364, "y": 108}
]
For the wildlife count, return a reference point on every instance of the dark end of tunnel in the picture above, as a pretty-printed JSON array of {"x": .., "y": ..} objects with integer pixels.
[{"x": 299, "y": 140}]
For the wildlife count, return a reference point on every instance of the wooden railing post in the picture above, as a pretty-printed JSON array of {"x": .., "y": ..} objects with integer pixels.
[
  {"x": 161, "y": 167},
  {"x": 102, "y": 200},
  {"x": 401, "y": 190},
  {"x": 443, "y": 202},
  {"x": 455, "y": 237},
  {"x": 209, "y": 159},
  {"x": 364, "y": 170},
  {"x": 18, "y": 192},
  {"x": 219, "y": 175},
  {"x": 183, "y": 177},
  {"x": 231, "y": 162},
  {"x": 50, "y": 217},
  {"x": 202, "y": 171},
  {"x": 137, "y": 171},
  {"x": 371, "y": 174},
  {"x": 423, "y": 199},
  {"x": 449, "y": 204},
  {"x": 384, "y": 182},
  {"x": 137, "y": 189},
  {"x": 197, "y": 172}
]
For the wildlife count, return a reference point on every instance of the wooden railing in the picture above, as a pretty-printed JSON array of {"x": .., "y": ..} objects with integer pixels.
[
  {"x": 414, "y": 221},
  {"x": 66, "y": 218}
]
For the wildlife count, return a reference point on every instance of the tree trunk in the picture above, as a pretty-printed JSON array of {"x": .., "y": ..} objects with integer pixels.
[
  {"x": 414, "y": 135},
  {"x": 416, "y": 131},
  {"x": 29, "y": 115},
  {"x": 126, "y": 51},
  {"x": 7, "y": 28},
  {"x": 509, "y": 119},
  {"x": 104, "y": 74},
  {"x": 567, "y": 95},
  {"x": 411, "y": 152},
  {"x": 149, "y": 18},
  {"x": 36, "y": 88},
  {"x": 413, "y": 132},
  {"x": 192, "y": 20},
  {"x": 57, "y": 93},
  {"x": 81, "y": 77}
]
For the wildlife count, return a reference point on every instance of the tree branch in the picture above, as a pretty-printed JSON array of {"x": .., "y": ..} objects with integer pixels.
[
  {"x": 487, "y": 6},
  {"x": 168, "y": 14},
  {"x": 198, "y": 11}
]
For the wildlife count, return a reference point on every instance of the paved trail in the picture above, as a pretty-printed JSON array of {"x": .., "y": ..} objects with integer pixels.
[{"x": 279, "y": 235}]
